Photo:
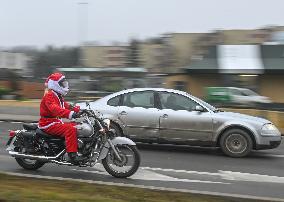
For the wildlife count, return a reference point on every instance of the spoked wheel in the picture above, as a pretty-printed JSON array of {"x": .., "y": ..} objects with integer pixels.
[
  {"x": 127, "y": 165},
  {"x": 29, "y": 164}
]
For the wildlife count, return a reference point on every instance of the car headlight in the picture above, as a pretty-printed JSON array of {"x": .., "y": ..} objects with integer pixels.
[{"x": 269, "y": 130}]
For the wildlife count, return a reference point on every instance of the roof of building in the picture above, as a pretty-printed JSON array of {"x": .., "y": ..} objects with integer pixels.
[
  {"x": 273, "y": 57},
  {"x": 104, "y": 69},
  {"x": 205, "y": 64},
  {"x": 240, "y": 59}
]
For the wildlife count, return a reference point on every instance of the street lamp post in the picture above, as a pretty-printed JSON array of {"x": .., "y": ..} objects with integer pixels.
[{"x": 82, "y": 22}]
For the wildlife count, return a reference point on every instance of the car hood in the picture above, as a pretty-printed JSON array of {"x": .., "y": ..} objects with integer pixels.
[{"x": 243, "y": 117}]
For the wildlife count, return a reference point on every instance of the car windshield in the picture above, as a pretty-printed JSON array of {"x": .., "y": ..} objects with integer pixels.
[
  {"x": 205, "y": 104},
  {"x": 249, "y": 92}
]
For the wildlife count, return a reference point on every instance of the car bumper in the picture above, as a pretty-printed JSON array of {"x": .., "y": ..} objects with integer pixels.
[{"x": 269, "y": 143}]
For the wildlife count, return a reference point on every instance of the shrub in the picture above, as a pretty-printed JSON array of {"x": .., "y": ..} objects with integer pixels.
[{"x": 4, "y": 91}]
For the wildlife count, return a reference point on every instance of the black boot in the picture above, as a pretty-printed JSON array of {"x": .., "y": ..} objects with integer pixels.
[{"x": 74, "y": 158}]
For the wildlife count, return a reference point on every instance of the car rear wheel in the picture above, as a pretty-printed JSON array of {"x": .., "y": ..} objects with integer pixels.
[{"x": 236, "y": 143}]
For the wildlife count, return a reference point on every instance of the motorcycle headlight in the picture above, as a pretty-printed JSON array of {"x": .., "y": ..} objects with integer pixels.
[
  {"x": 106, "y": 123},
  {"x": 269, "y": 130}
]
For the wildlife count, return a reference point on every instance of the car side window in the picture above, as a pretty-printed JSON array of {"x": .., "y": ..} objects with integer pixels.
[
  {"x": 143, "y": 99},
  {"x": 114, "y": 101},
  {"x": 235, "y": 92},
  {"x": 177, "y": 102}
]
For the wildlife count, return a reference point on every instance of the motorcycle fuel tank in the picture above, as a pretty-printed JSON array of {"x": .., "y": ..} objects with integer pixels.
[{"x": 84, "y": 130}]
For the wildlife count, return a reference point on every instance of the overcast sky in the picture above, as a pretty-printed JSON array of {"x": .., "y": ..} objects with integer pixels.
[{"x": 64, "y": 22}]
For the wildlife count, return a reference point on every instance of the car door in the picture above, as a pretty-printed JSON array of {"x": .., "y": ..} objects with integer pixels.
[
  {"x": 238, "y": 97},
  {"x": 179, "y": 120},
  {"x": 140, "y": 115}
]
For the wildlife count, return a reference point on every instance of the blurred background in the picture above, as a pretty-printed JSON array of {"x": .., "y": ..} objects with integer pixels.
[{"x": 228, "y": 53}]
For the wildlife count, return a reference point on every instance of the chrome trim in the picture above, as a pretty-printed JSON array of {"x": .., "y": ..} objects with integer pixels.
[
  {"x": 191, "y": 130},
  {"x": 33, "y": 157}
]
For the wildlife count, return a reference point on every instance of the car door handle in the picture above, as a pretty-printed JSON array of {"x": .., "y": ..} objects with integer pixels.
[
  {"x": 165, "y": 116},
  {"x": 123, "y": 113}
]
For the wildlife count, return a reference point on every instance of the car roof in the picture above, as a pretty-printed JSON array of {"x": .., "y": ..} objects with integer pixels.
[
  {"x": 150, "y": 89},
  {"x": 144, "y": 89}
]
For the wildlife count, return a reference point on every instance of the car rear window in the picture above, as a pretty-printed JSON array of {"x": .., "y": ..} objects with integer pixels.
[{"x": 114, "y": 101}]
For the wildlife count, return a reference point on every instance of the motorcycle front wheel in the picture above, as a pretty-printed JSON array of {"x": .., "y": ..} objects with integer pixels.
[{"x": 127, "y": 165}]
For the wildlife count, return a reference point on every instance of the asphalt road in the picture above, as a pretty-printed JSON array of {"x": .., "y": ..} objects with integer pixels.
[{"x": 260, "y": 174}]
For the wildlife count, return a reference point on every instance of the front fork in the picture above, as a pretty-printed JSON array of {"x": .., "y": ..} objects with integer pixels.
[{"x": 114, "y": 150}]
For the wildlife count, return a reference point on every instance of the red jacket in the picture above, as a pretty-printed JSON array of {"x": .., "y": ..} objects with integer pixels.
[{"x": 53, "y": 108}]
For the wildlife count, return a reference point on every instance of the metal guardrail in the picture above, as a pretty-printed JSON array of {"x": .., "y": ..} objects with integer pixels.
[
  {"x": 258, "y": 106},
  {"x": 276, "y": 117}
]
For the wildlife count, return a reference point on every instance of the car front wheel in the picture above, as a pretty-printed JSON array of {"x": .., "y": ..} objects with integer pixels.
[{"x": 236, "y": 143}]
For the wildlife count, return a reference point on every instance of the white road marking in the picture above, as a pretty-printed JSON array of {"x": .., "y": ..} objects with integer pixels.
[
  {"x": 274, "y": 155},
  {"x": 249, "y": 177},
  {"x": 180, "y": 171},
  {"x": 152, "y": 176},
  {"x": 228, "y": 175}
]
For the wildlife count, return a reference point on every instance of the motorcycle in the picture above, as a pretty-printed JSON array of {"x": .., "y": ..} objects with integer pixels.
[{"x": 32, "y": 148}]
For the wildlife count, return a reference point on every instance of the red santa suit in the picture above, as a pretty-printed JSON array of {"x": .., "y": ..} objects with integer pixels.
[{"x": 52, "y": 109}]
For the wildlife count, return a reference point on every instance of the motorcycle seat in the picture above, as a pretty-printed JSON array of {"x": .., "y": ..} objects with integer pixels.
[
  {"x": 30, "y": 126},
  {"x": 45, "y": 135}
]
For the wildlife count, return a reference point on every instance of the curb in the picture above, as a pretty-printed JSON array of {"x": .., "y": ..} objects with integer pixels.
[
  {"x": 235, "y": 196},
  {"x": 17, "y": 121}
]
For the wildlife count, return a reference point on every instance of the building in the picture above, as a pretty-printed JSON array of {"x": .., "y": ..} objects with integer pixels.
[
  {"x": 103, "y": 56},
  {"x": 258, "y": 67},
  {"x": 98, "y": 81},
  {"x": 17, "y": 62}
]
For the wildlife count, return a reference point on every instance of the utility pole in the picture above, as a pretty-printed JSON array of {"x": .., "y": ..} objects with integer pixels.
[{"x": 82, "y": 22}]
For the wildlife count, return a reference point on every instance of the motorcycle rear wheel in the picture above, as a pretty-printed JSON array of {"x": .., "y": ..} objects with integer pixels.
[
  {"x": 111, "y": 161},
  {"x": 29, "y": 164}
]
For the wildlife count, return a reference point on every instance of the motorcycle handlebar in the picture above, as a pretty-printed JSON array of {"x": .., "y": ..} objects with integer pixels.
[{"x": 89, "y": 113}]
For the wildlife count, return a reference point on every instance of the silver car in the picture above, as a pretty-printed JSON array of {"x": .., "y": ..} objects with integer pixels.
[{"x": 157, "y": 115}]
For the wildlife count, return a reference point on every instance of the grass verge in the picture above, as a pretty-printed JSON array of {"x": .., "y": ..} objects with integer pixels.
[{"x": 24, "y": 189}]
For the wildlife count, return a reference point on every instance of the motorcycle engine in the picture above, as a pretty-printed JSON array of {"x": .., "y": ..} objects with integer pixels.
[{"x": 80, "y": 144}]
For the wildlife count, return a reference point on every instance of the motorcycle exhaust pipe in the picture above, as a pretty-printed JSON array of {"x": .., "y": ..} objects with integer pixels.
[
  {"x": 62, "y": 163},
  {"x": 33, "y": 157}
]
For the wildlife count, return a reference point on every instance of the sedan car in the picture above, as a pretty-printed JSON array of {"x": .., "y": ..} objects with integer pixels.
[{"x": 157, "y": 115}]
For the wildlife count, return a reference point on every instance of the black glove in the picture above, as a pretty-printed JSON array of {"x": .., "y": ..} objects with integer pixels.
[{"x": 76, "y": 115}]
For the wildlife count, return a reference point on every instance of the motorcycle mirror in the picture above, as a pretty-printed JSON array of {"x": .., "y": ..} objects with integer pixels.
[{"x": 88, "y": 104}]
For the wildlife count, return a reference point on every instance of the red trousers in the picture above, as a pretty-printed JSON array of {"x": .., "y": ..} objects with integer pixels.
[{"x": 68, "y": 131}]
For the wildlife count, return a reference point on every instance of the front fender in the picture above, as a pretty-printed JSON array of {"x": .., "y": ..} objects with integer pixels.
[
  {"x": 122, "y": 141},
  {"x": 115, "y": 141},
  {"x": 230, "y": 124}
]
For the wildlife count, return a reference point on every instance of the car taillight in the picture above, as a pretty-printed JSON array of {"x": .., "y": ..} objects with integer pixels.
[{"x": 12, "y": 133}]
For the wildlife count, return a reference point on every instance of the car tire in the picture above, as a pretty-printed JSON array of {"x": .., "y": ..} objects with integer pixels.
[
  {"x": 115, "y": 127},
  {"x": 236, "y": 143}
]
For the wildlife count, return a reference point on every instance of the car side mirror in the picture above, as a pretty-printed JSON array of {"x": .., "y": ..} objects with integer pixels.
[{"x": 199, "y": 108}]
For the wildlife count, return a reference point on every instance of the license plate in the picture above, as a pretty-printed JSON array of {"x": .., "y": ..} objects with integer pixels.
[{"x": 10, "y": 143}]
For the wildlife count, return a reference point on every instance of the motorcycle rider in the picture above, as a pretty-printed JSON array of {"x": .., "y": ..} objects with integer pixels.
[{"x": 53, "y": 108}]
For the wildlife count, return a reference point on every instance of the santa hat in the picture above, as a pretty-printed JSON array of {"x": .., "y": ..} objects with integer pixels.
[{"x": 54, "y": 77}]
